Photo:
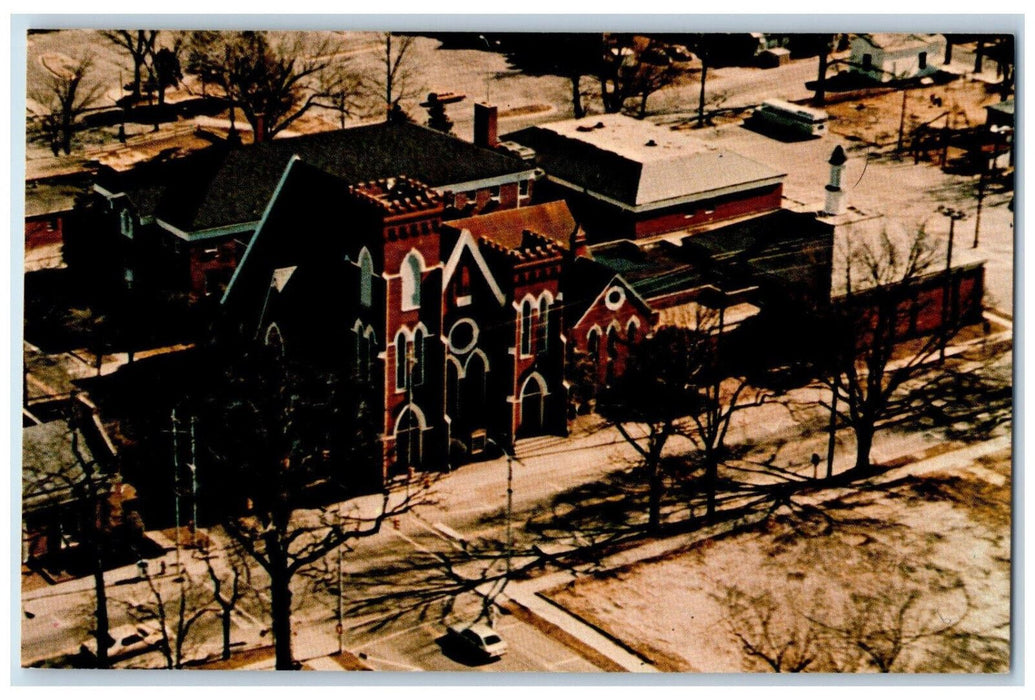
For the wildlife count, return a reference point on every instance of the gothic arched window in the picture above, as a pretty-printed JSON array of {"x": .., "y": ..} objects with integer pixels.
[
  {"x": 543, "y": 328},
  {"x": 411, "y": 279},
  {"x": 526, "y": 327},
  {"x": 366, "y": 278}
]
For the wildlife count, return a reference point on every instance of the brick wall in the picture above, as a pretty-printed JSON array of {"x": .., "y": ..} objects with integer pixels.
[{"x": 709, "y": 211}]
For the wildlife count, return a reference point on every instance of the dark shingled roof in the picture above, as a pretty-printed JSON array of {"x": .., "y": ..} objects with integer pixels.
[
  {"x": 587, "y": 279},
  {"x": 785, "y": 248},
  {"x": 296, "y": 230},
  {"x": 793, "y": 249},
  {"x": 224, "y": 186},
  {"x": 653, "y": 270}
]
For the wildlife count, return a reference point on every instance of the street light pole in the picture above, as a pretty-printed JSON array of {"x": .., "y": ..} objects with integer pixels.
[
  {"x": 193, "y": 479},
  {"x": 510, "y": 501},
  {"x": 176, "y": 485},
  {"x": 510, "y": 509}
]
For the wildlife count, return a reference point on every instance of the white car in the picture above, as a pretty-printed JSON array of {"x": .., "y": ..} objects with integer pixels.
[
  {"x": 479, "y": 638},
  {"x": 125, "y": 641}
]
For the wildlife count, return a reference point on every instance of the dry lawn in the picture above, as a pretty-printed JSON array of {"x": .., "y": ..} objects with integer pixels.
[
  {"x": 876, "y": 118},
  {"x": 913, "y": 575}
]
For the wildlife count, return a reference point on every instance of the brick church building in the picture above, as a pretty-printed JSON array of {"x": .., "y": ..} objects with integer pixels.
[{"x": 458, "y": 333}]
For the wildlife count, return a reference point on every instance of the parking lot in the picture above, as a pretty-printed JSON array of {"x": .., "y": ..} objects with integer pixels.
[{"x": 877, "y": 182}]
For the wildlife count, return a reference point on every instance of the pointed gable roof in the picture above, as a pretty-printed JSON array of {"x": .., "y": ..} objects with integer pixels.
[
  {"x": 293, "y": 229},
  {"x": 466, "y": 243},
  {"x": 551, "y": 220}
]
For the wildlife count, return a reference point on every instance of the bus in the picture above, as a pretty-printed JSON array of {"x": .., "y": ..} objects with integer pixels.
[{"x": 791, "y": 118}]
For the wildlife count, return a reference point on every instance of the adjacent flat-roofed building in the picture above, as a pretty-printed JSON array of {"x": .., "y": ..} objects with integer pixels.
[{"x": 626, "y": 178}]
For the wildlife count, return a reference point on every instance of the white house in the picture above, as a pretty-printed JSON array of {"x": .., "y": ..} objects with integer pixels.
[{"x": 888, "y": 57}]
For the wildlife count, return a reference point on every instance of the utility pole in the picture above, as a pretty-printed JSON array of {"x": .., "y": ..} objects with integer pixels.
[
  {"x": 193, "y": 478},
  {"x": 388, "y": 77},
  {"x": 341, "y": 594},
  {"x": 831, "y": 438},
  {"x": 510, "y": 501},
  {"x": 980, "y": 199},
  {"x": 954, "y": 216},
  {"x": 902, "y": 122},
  {"x": 950, "y": 123}
]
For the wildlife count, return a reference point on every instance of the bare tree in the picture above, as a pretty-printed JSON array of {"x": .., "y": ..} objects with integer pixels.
[
  {"x": 571, "y": 55},
  {"x": 65, "y": 95},
  {"x": 655, "y": 70},
  {"x": 397, "y": 84},
  {"x": 163, "y": 66},
  {"x": 140, "y": 45},
  {"x": 721, "y": 398},
  {"x": 228, "y": 590},
  {"x": 274, "y": 78},
  {"x": 655, "y": 393},
  {"x": 676, "y": 384},
  {"x": 633, "y": 67},
  {"x": 826, "y": 46},
  {"x": 176, "y": 615},
  {"x": 618, "y": 60},
  {"x": 285, "y": 433},
  {"x": 869, "y": 357},
  {"x": 201, "y": 49}
]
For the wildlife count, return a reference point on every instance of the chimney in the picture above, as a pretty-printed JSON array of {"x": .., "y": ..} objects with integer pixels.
[
  {"x": 485, "y": 125},
  {"x": 835, "y": 195}
]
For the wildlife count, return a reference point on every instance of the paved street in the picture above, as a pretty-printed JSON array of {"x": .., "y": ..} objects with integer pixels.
[{"x": 403, "y": 585}]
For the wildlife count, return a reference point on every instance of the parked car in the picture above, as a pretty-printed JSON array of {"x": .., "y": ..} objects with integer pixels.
[
  {"x": 126, "y": 641},
  {"x": 478, "y": 638}
]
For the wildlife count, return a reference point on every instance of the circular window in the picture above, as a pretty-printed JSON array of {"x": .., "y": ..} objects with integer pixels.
[
  {"x": 614, "y": 298},
  {"x": 463, "y": 336}
]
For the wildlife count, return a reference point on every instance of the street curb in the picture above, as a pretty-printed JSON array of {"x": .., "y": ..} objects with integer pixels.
[
  {"x": 598, "y": 629},
  {"x": 586, "y": 651}
]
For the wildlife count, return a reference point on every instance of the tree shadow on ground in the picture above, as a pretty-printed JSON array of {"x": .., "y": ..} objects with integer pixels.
[
  {"x": 585, "y": 523},
  {"x": 426, "y": 584},
  {"x": 966, "y": 406},
  {"x": 610, "y": 508}
]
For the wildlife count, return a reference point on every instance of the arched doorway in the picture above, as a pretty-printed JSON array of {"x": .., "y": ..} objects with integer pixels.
[
  {"x": 453, "y": 389},
  {"x": 408, "y": 439},
  {"x": 472, "y": 393},
  {"x": 533, "y": 406}
]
